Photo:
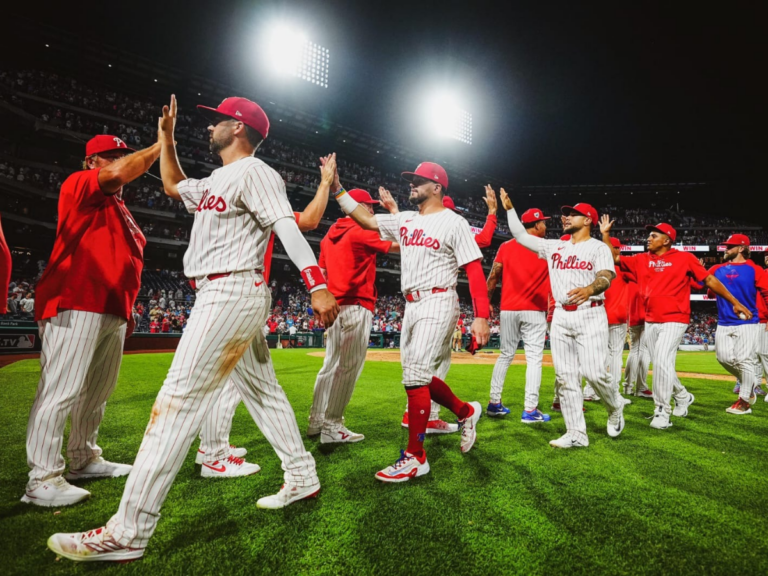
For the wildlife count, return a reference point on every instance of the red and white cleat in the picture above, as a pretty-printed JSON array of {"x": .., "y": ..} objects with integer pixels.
[
  {"x": 288, "y": 495},
  {"x": 340, "y": 436},
  {"x": 469, "y": 427},
  {"x": 233, "y": 451},
  {"x": 229, "y": 468},
  {"x": 407, "y": 466},
  {"x": 434, "y": 426},
  {"x": 92, "y": 546},
  {"x": 645, "y": 394}
]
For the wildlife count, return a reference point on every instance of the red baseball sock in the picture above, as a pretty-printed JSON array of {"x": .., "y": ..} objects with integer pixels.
[
  {"x": 419, "y": 403},
  {"x": 443, "y": 395}
]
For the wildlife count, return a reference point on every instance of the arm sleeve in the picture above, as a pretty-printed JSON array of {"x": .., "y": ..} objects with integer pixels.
[
  {"x": 485, "y": 237},
  {"x": 533, "y": 243},
  {"x": 192, "y": 192},
  {"x": 465, "y": 249},
  {"x": 477, "y": 289},
  {"x": 265, "y": 197},
  {"x": 695, "y": 269},
  {"x": 295, "y": 244},
  {"x": 389, "y": 225}
]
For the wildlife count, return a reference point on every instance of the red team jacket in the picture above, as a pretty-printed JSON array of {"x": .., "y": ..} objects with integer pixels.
[
  {"x": 616, "y": 299},
  {"x": 348, "y": 255},
  {"x": 98, "y": 254},
  {"x": 526, "y": 277}
]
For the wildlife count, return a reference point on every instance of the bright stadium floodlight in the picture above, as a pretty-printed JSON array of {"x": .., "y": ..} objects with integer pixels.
[
  {"x": 449, "y": 120},
  {"x": 290, "y": 53}
]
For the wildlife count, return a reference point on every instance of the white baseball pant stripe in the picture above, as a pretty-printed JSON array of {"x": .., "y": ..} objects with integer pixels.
[
  {"x": 531, "y": 326},
  {"x": 80, "y": 361},
  {"x": 638, "y": 360},
  {"x": 223, "y": 339},
  {"x": 344, "y": 360},
  {"x": 663, "y": 340},
  {"x": 579, "y": 342},
  {"x": 617, "y": 335},
  {"x": 762, "y": 354},
  {"x": 736, "y": 351}
]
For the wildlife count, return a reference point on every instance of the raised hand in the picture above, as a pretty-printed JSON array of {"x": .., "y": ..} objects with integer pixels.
[
  {"x": 387, "y": 201},
  {"x": 606, "y": 224},
  {"x": 328, "y": 173},
  {"x": 490, "y": 200},
  {"x": 167, "y": 123},
  {"x": 505, "y": 201},
  {"x": 335, "y": 184}
]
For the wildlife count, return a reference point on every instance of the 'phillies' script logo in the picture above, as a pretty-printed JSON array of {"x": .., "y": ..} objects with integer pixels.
[
  {"x": 417, "y": 238},
  {"x": 659, "y": 265},
  {"x": 570, "y": 263},
  {"x": 211, "y": 202}
]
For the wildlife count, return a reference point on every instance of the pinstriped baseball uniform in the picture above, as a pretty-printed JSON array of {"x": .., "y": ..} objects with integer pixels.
[
  {"x": 524, "y": 292},
  {"x": 617, "y": 309},
  {"x": 638, "y": 359},
  {"x": 235, "y": 209},
  {"x": 579, "y": 338},
  {"x": 432, "y": 248}
]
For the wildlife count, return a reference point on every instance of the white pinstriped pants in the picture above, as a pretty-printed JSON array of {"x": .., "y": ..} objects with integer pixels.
[
  {"x": 344, "y": 361},
  {"x": 217, "y": 424},
  {"x": 79, "y": 363},
  {"x": 617, "y": 335},
  {"x": 663, "y": 340},
  {"x": 579, "y": 341},
  {"x": 223, "y": 339},
  {"x": 762, "y": 354},
  {"x": 531, "y": 326},
  {"x": 638, "y": 360},
  {"x": 736, "y": 350}
]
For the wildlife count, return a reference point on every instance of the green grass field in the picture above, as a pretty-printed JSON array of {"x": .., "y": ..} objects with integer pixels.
[{"x": 689, "y": 500}]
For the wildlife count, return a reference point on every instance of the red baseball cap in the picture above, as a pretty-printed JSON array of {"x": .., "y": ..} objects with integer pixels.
[
  {"x": 737, "y": 240},
  {"x": 615, "y": 242},
  {"x": 105, "y": 143},
  {"x": 565, "y": 237},
  {"x": 664, "y": 228},
  {"x": 582, "y": 208},
  {"x": 362, "y": 197},
  {"x": 430, "y": 171},
  {"x": 533, "y": 215},
  {"x": 242, "y": 109},
  {"x": 448, "y": 203}
]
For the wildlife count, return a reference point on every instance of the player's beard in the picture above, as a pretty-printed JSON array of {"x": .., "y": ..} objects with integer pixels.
[
  {"x": 220, "y": 143},
  {"x": 570, "y": 229},
  {"x": 729, "y": 257},
  {"x": 420, "y": 198}
]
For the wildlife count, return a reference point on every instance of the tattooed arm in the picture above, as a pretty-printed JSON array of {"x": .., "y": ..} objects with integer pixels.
[
  {"x": 493, "y": 279},
  {"x": 601, "y": 284}
]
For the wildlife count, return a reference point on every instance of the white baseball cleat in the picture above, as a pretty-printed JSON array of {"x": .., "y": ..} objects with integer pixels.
[
  {"x": 288, "y": 494},
  {"x": 55, "y": 492},
  {"x": 231, "y": 467},
  {"x": 92, "y": 546},
  {"x": 660, "y": 419},
  {"x": 233, "y": 451},
  {"x": 568, "y": 440},
  {"x": 99, "y": 468},
  {"x": 441, "y": 427},
  {"x": 340, "y": 436},
  {"x": 407, "y": 466},
  {"x": 645, "y": 394},
  {"x": 469, "y": 427},
  {"x": 616, "y": 422},
  {"x": 681, "y": 407}
]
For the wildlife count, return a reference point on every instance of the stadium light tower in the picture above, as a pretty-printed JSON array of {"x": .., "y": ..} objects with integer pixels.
[
  {"x": 290, "y": 53},
  {"x": 448, "y": 119}
]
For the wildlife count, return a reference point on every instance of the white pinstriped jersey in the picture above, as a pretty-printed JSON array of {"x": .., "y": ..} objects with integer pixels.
[
  {"x": 235, "y": 208},
  {"x": 574, "y": 265},
  {"x": 432, "y": 247}
]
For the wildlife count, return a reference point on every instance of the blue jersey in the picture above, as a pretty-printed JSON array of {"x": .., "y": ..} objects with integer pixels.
[{"x": 747, "y": 282}]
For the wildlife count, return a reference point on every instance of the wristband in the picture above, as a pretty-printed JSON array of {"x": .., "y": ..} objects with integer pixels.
[
  {"x": 313, "y": 278},
  {"x": 346, "y": 202}
]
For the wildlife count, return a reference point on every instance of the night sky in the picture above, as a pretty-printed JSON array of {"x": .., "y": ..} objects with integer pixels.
[{"x": 561, "y": 92}]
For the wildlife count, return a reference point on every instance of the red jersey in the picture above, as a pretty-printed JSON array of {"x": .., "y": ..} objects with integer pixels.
[
  {"x": 98, "y": 254},
  {"x": 524, "y": 278},
  {"x": 348, "y": 255},
  {"x": 664, "y": 283},
  {"x": 270, "y": 247},
  {"x": 616, "y": 299},
  {"x": 5, "y": 272},
  {"x": 485, "y": 237}
]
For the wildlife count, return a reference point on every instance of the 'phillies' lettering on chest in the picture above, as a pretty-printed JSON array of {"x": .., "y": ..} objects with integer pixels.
[
  {"x": 659, "y": 265},
  {"x": 211, "y": 202},
  {"x": 572, "y": 262},
  {"x": 417, "y": 238}
]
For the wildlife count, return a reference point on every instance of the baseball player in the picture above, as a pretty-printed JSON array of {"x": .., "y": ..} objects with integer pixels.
[
  {"x": 663, "y": 277},
  {"x": 235, "y": 210},
  {"x": 524, "y": 292},
  {"x": 434, "y": 243},
  {"x": 457, "y": 338},
  {"x": 737, "y": 337},
  {"x": 348, "y": 260},
  {"x": 638, "y": 360},
  {"x": 212, "y": 455},
  {"x": 83, "y": 309},
  {"x": 580, "y": 271}
]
